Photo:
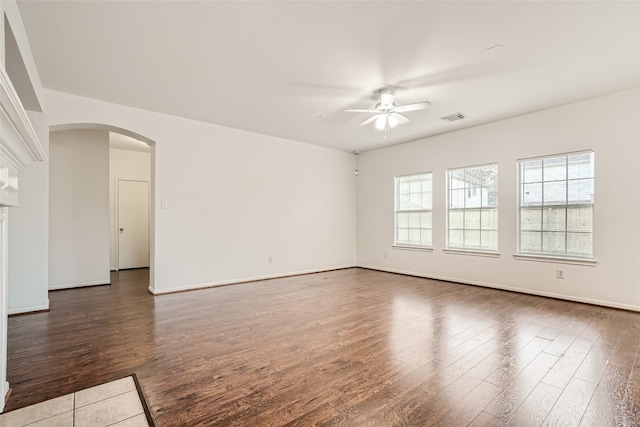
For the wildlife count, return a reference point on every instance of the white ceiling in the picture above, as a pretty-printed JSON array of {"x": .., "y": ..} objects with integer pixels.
[{"x": 277, "y": 68}]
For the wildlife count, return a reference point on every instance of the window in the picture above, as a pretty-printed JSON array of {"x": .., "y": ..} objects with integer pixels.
[
  {"x": 413, "y": 210},
  {"x": 556, "y": 205},
  {"x": 472, "y": 208}
]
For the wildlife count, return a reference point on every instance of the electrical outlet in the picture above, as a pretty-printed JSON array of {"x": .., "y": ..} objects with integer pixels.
[
  {"x": 270, "y": 260},
  {"x": 385, "y": 255},
  {"x": 560, "y": 273}
]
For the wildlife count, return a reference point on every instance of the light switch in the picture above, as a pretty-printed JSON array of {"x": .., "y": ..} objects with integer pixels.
[{"x": 163, "y": 204}]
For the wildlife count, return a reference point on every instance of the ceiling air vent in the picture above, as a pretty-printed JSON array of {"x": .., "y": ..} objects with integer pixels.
[{"x": 453, "y": 117}]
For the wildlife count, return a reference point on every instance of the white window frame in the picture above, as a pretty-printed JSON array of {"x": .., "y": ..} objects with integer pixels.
[
  {"x": 471, "y": 250},
  {"x": 567, "y": 257},
  {"x": 404, "y": 245}
]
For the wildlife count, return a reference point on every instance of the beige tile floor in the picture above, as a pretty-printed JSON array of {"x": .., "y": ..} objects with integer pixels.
[{"x": 112, "y": 404}]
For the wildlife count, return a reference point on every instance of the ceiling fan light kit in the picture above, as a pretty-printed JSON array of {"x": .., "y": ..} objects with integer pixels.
[{"x": 387, "y": 114}]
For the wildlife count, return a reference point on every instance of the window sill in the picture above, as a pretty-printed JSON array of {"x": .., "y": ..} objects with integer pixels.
[
  {"x": 412, "y": 248},
  {"x": 556, "y": 259},
  {"x": 472, "y": 252}
]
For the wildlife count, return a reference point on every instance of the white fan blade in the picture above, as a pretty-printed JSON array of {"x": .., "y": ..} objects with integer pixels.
[
  {"x": 412, "y": 107},
  {"x": 400, "y": 118},
  {"x": 369, "y": 120},
  {"x": 362, "y": 111}
]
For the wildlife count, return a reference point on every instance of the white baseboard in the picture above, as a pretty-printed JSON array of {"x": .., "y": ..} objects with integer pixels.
[
  {"x": 511, "y": 288},
  {"x": 5, "y": 391},
  {"x": 29, "y": 309},
  {"x": 242, "y": 280},
  {"x": 79, "y": 285}
]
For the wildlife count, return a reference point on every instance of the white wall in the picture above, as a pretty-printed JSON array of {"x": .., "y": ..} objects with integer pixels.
[
  {"x": 78, "y": 208},
  {"x": 609, "y": 125},
  {"x": 29, "y": 233},
  {"x": 123, "y": 164},
  {"x": 234, "y": 198},
  {"x": 28, "y": 225}
]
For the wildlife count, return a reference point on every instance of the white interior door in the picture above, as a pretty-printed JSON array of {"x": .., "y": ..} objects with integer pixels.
[{"x": 133, "y": 224}]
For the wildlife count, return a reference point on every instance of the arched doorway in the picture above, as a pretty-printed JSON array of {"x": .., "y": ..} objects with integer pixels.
[{"x": 67, "y": 225}]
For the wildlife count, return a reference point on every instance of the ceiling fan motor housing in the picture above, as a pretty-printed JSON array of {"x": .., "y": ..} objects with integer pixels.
[{"x": 386, "y": 100}]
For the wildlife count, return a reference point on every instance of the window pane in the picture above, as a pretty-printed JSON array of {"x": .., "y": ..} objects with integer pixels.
[
  {"x": 474, "y": 198},
  {"x": 489, "y": 239},
  {"x": 456, "y": 179},
  {"x": 580, "y": 191},
  {"x": 555, "y": 193},
  {"x": 457, "y": 198},
  {"x": 531, "y": 171},
  {"x": 530, "y": 219},
  {"x": 473, "y": 203},
  {"x": 413, "y": 205},
  {"x": 415, "y": 201},
  {"x": 530, "y": 241},
  {"x": 402, "y": 220},
  {"x": 415, "y": 220},
  {"x": 403, "y": 202},
  {"x": 566, "y": 198},
  {"x": 554, "y": 219},
  {"x": 456, "y": 238},
  {"x": 579, "y": 244},
  {"x": 426, "y": 237},
  {"x": 414, "y": 236},
  {"x": 553, "y": 242},
  {"x": 580, "y": 218},
  {"x": 555, "y": 169},
  {"x": 415, "y": 186},
  {"x": 531, "y": 195},
  {"x": 490, "y": 198},
  {"x": 425, "y": 220},
  {"x": 490, "y": 186},
  {"x": 471, "y": 238},
  {"x": 456, "y": 220},
  {"x": 403, "y": 186},
  {"x": 472, "y": 219},
  {"x": 580, "y": 165},
  {"x": 489, "y": 219},
  {"x": 427, "y": 199}
]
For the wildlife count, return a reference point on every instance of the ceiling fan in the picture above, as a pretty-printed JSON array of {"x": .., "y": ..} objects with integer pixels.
[{"x": 387, "y": 114}]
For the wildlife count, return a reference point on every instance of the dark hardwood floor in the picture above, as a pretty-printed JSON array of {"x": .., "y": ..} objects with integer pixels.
[{"x": 351, "y": 347}]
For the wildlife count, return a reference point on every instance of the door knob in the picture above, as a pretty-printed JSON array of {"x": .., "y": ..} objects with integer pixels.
[{"x": 121, "y": 229}]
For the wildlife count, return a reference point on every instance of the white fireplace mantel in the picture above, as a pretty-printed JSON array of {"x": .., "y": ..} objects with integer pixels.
[
  {"x": 19, "y": 143},
  {"x": 19, "y": 146}
]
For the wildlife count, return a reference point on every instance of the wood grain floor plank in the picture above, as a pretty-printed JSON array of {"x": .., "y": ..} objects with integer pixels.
[
  {"x": 449, "y": 397},
  {"x": 469, "y": 407},
  {"x": 511, "y": 367},
  {"x": 607, "y": 402},
  {"x": 564, "y": 369},
  {"x": 571, "y": 404},
  {"x": 506, "y": 404},
  {"x": 351, "y": 347},
  {"x": 534, "y": 410},
  {"x": 631, "y": 403},
  {"x": 594, "y": 364},
  {"x": 564, "y": 340},
  {"x": 486, "y": 420},
  {"x": 607, "y": 405}
]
